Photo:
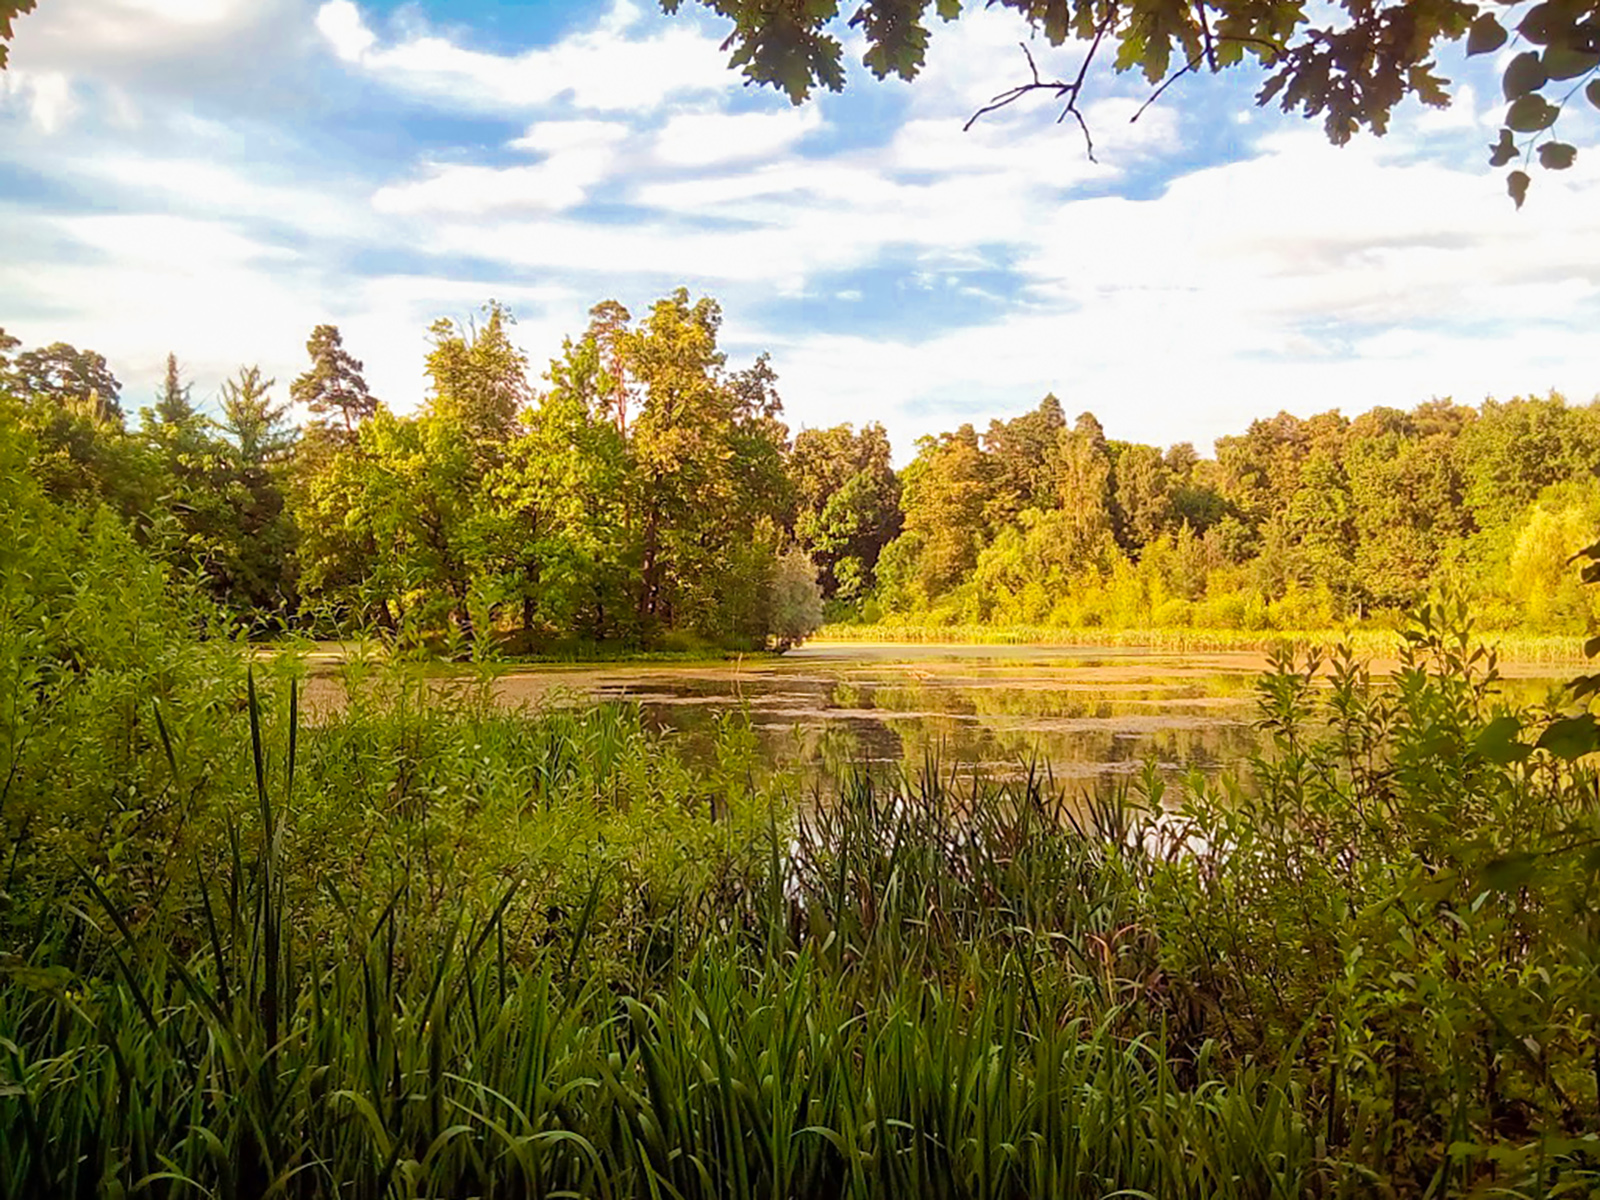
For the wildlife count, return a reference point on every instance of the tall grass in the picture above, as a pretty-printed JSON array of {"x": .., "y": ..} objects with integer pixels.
[{"x": 893, "y": 1007}]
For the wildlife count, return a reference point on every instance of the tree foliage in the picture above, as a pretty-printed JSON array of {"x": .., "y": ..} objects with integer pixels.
[
  {"x": 644, "y": 491},
  {"x": 334, "y": 383},
  {"x": 10, "y": 10},
  {"x": 1298, "y": 522},
  {"x": 1349, "y": 63}
]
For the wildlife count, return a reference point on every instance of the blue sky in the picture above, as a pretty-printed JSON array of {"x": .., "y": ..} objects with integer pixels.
[{"x": 215, "y": 177}]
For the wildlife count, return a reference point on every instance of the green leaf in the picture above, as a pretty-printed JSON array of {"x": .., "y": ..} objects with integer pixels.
[
  {"x": 1517, "y": 186},
  {"x": 1486, "y": 35},
  {"x": 1541, "y": 21},
  {"x": 1570, "y": 737},
  {"x": 1498, "y": 741},
  {"x": 1592, "y": 91},
  {"x": 1563, "y": 62},
  {"x": 1524, "y": 74},
  {"x": 1503, "y": 151},
  {"x": 1508, "y": 872},
  {"x": 1584, "y": 685},
  {"x": 1531, "y": 114},
  {"x": 1557, "y": 156},
  {"x": 1591, "y": 647}
]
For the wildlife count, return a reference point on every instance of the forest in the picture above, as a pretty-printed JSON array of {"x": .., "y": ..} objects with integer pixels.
[{"x": 641, "y": 492}]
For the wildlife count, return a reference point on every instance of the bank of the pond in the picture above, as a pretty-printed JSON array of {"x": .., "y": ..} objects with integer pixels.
[
  {"x": 1097, "y": 715},
  {"x": 1379, "y": 643}
]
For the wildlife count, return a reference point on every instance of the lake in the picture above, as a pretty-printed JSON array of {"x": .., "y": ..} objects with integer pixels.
[{"x": 1092, "y": 714}]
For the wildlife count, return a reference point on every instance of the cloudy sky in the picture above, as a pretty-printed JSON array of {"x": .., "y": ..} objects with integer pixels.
[{"x": 215, "y": 177}]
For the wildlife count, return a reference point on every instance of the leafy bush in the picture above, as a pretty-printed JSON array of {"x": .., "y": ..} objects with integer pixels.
[{"x": 796, "y": 600}]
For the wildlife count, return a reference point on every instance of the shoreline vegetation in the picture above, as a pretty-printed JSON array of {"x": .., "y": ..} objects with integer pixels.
[
  {"x": 644, "y": 493},
  {"x": 1512, "y": 647},
  {"x": 1375, "y": 645}
]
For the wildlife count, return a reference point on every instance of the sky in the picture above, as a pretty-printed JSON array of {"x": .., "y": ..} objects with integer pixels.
[{"x": 215, "y": 177}]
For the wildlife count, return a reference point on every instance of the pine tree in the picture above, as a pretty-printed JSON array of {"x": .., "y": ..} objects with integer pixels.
[
  {"x": 7, "y": 345},
  {"x": 173, "y": 405},
  {"x": 68, "y": 377},
  {"x": 334, "y": 382}
]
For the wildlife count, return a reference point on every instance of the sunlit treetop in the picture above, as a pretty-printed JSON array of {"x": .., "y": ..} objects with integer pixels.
[{"x": 1348, "y": 62}]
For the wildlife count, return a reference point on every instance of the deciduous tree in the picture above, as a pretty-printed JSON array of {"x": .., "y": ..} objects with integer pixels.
[{"x": 1350, "y": 63}]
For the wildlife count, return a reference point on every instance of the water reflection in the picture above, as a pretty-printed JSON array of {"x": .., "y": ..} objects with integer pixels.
[
  {"x": 826, "y": 710},
  {"x": 1090, "y": 716}
]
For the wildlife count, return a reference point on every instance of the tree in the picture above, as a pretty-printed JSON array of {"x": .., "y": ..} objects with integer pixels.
[
  {"x": 1020, "y": 450},
  {"x": 946, "y": 492},
  {"x": 1082, "y": 472},
  {"x": 195, "y": 525},
  {"x": 259, "y": 428},
  {"x": 1405, "y": 495},
  {"x": 694, "y": 500},
  {"x": 338, "y": 561},
  {"x": 334, "y": 383},
  {"x": 608, "y": 321},
  {"x": 64, "y": 375},
  {"x": 1350, "y": 63},
  {"x": 558, "y": 527},
  {"x": 479, "y": 377},
  {"x": 254, "y": 564},
  {"x": 1144, "y": 495},
  {"x": 847, "y": 504},
  {"x": 795, "y": 600},
  {"x": 7, "y": 345},
  {"x": 1518, "y": 447},
  {"x": 173, "y": 403},
  {"x": 10, "y": 10}
]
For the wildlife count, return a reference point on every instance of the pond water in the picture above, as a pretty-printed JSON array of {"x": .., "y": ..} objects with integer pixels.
[{"x": 1092, "y": 714}]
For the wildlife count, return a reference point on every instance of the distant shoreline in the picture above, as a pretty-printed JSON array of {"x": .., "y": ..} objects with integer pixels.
[{"x": 1511, "y": 646}]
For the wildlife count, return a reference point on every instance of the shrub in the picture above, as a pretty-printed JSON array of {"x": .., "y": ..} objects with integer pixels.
[{"x": 796, "y": 600}]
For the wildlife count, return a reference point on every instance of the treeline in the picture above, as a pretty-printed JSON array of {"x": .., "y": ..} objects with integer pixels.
[
  {"x": 644, "y": 492},
  {"x": 1295, "y": 524}
]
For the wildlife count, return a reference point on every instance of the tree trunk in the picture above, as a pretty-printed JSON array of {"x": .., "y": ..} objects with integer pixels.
[{"x": 648, "y": 583}]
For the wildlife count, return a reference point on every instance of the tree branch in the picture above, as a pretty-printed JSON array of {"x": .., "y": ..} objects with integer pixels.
[{"x": 1059, "y": 87}]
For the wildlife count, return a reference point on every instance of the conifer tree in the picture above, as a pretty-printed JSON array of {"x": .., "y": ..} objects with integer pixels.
[
  {"x": 334, "y": 384},
  {"x": 173, "y": 403}
]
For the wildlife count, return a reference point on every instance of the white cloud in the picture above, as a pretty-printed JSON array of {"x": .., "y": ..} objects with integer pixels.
[
  {"x": 552, "y": 137},
  {"x": 134, "y": 287},
  {"x": 603, "y": 68},
  {"x": 1298, "y": 276},
  {"x": 340, "y": 23},
  {"x": 578, "y": 155},
  {"x": 46, "y": 96},
  {"x": 701, "y": 139}
]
